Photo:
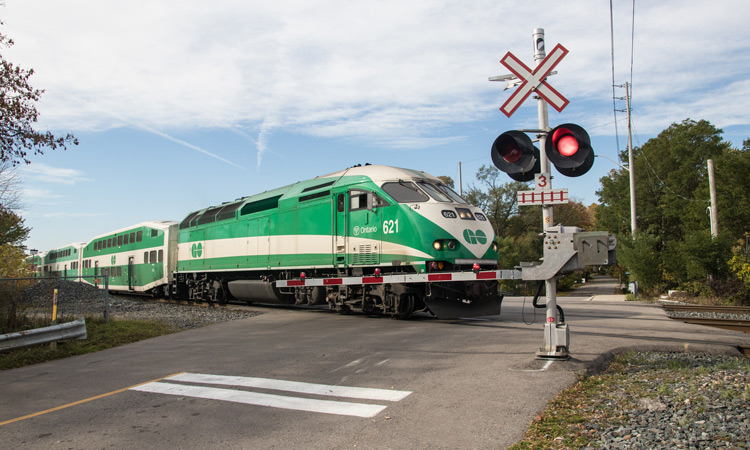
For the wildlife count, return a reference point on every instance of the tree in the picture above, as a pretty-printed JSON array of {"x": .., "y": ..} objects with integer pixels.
[
  {"x": 498, "y": 201},
  {"x": 18, "y": 114},
  {"x": 10, "y": 191},
  {"x": 12, "y": 229},
  {"x": 574, "y": 214},
  {"x": 447, "y": 180},
  {"x": 673, "y": 246}
]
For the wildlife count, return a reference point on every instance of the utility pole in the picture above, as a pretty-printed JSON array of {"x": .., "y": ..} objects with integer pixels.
[
  {"x": 460, "y": 183},
  {"x": 630, "y": 165},
  {"x": 713, "y": 209}
]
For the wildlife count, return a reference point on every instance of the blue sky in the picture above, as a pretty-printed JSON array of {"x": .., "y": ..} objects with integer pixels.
[{"x": 181, "y": 105}]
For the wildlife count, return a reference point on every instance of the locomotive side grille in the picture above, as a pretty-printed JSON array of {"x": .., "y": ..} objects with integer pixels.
[{"x": 364, "y": 255}]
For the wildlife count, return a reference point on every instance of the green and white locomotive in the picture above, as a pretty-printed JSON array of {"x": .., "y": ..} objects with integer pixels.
[{"x": 373, "y": 239}]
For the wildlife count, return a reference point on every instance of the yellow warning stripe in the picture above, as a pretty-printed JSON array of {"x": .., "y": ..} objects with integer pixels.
[{"x": 57, "y": 408}]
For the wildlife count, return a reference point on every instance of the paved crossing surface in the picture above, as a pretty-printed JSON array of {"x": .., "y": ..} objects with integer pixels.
[{"x": 318, "y": 380}]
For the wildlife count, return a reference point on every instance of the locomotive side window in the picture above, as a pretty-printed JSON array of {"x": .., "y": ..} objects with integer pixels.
[
  {"x": 340, "y": 202},
  {"x": 405, "y": 192},
  {"x": 358, "y": 200}
]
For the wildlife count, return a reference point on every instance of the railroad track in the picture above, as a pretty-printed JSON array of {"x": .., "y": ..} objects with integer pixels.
[{"x": 736, "y": 318}]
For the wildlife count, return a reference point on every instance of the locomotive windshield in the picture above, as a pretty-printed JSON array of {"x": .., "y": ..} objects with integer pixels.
[
  {"x": 422, "y": 191},
  {"x": 405, "y": 192}
]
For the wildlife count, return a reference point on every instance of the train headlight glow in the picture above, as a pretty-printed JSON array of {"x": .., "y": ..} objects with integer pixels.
[
  {"x": 437, "y": 245},
  {"x": 494, "y": 246}
]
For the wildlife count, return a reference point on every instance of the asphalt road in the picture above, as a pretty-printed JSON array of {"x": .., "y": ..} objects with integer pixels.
[{"x": 433, "y": 384}]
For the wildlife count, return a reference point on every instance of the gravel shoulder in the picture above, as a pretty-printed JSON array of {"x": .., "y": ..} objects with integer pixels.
[{"x": 80, "y": 299}]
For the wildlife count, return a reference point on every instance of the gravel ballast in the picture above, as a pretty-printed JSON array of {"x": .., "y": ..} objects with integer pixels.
[
  {"x": 81, "y": 299},
  {"x": 677, "y": 400}
]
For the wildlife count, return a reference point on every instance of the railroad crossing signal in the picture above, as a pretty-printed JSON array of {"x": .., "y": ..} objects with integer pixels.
[
  {"x": 513, "y": 153},
  {"x": 534, "y": 80},
  {"x": 568, "y": 147}
]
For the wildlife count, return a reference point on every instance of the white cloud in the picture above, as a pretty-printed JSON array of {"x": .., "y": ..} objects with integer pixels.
[
  {"x": 392, "y": 71},
  {"x": 39, "y": 172},
  {"x": 39, "y": 194}
]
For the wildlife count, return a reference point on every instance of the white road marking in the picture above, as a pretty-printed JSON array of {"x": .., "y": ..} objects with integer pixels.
[
  {"x": 293, "y": 386},
  {"x": 169, "y": 387},
  {"x": 255, "y": 398}
]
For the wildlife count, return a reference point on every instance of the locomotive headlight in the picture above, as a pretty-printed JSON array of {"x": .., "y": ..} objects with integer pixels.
[
  {"x": 437, "y": 245},
  {"x": 494, "y": 246},
  {"x": 451, "y": 245}
]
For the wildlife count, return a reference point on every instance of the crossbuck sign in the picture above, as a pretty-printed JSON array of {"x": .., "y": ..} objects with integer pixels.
[{"x": 534, "y": 80}]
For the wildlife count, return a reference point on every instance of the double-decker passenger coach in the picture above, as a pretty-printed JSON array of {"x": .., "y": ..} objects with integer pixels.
[{"x": 140, "y": 258}]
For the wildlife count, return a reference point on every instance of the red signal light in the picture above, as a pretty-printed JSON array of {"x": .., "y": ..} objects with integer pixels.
[
  {"x": 511, "y": 153},
  {"x": 564, "y": 141},
  {"x": 568, "y": 147},
  {"x": 515, "y": 154}
]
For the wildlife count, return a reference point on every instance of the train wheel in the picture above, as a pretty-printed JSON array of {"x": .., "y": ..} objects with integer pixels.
[
  {"x": 405, "y": 307},
  {"x": 344, "y": 309},
  {"x": 221, "y": 297}
]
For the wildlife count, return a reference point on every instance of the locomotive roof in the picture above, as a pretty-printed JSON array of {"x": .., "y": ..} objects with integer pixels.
[
  {"x": 381, "y": 173},
  {"x": 377, "y": 173}
]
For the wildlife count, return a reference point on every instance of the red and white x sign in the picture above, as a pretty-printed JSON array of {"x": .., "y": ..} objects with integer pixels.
[{"x": 534, "y": 80}]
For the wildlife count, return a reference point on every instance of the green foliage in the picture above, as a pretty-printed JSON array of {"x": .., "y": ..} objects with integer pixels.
[
  {"x": 498, "y": 201},
  {"x": 641, "y": 257},
  {"x": 673, "y": 247},
  {"x": 12, "y": 229},
  {"x": 12, "y": 265},
  {"x": 447, "y": 180}
]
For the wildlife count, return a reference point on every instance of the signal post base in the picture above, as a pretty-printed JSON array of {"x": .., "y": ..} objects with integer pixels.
[{"x": 556, "y": 338}]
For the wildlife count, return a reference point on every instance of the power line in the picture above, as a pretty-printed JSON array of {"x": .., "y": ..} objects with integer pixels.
[{"x": 612, "y": 52}]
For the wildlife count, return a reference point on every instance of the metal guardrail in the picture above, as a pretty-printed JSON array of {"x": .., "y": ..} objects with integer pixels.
[{"x": 54, "y": 333}]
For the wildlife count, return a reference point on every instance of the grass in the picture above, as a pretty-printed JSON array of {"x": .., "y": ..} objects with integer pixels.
[{"x": 101, "y": 336}]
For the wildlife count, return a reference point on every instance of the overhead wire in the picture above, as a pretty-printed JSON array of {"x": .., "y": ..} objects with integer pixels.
[{"x": 612, "y": 53}]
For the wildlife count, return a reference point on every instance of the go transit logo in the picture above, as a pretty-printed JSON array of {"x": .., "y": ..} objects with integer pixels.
[
  {"x": 197, "y": 250},
  {"x": 475, "y": 237}
]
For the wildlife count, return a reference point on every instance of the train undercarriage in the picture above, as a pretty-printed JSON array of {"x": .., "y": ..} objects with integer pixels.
[{"x": 399, "y": 300}]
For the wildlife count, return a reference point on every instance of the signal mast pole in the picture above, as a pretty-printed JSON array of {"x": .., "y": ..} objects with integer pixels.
[
  {"x": 539, "y": 54},
  {"x": 554, "y": 347}
]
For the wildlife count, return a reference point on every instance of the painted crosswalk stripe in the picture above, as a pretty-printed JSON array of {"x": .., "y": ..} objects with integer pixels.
[
  {"x": 175, "y": 385},
  {"x": 259, "y": 399},
  {"x": 293, "y": 386}
]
